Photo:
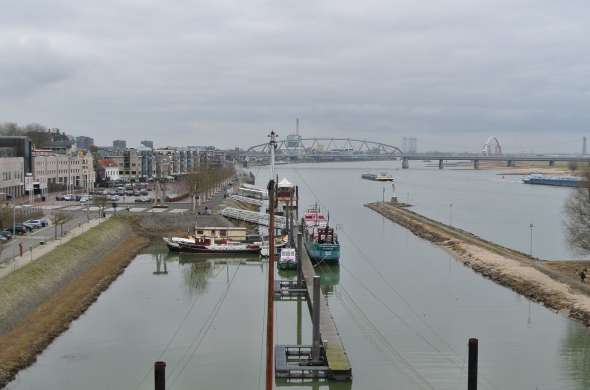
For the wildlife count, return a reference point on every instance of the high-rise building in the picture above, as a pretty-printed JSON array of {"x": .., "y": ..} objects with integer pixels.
[
  {"x": 409, "y": 145},
  {"x": 22, "y": 147},
  {"x": 147, "y": 144},
  {"x": 83, "y": 142},
  {"x": 119, "y": 146}
]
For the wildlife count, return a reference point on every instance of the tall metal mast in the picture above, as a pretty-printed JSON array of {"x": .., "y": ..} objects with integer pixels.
[{"x": 273, "y": 145}]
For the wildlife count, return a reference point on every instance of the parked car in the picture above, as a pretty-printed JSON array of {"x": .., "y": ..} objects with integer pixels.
[
  {"x": 6, "y": 233},
  {"x": 143, "y": 199},
  {"x": 37, "y": 223},
  {"x": 84, "y": 199},
  {"x": 69, "y": 197},
  {"x": 114, "y": 198},
  {"x": 21, "y": 229},
  {"x": 59, "y": 197},
  {"x": 31, "y": 225}
]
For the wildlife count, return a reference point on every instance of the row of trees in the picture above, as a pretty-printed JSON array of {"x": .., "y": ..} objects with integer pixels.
[
  {"x": 40, "y": 135},
  {"x": 203, "y": 181}
]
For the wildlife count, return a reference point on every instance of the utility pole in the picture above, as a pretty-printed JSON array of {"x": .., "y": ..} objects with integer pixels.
[{"x": 531, "y": 226}]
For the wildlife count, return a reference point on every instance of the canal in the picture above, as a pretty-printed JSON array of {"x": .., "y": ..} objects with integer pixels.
[{"x": 404, "y": 307}]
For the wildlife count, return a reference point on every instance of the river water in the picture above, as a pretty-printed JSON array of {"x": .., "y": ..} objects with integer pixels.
[{"x": 405, "y": 308}]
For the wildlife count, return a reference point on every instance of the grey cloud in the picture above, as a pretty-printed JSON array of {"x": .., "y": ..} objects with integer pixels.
[{"x": 224, "y": 72}]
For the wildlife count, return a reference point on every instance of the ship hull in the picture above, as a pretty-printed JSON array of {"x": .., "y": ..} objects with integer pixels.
[
  {"x": 195, "y": 248},
  {"x": 550, "y": 182},
  {"x": 323, "y": 253}
]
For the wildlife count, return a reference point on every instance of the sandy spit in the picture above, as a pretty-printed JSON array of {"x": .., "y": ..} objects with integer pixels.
[{"x": 528, "y": 276}]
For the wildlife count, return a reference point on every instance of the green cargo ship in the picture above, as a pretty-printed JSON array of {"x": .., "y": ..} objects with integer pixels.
[{"x": 321, "y": 242}]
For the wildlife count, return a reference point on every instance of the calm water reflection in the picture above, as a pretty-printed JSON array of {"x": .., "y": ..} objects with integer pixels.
[{"x": 404, "y": 308}]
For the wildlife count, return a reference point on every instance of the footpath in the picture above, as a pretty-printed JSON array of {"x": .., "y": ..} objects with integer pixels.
[{"x": 7, "y": 267}]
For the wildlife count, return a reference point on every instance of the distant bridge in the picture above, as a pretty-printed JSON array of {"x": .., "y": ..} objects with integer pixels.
[
  {"x": 510, "y": 159},
  {"x": 296, "y": 148}
]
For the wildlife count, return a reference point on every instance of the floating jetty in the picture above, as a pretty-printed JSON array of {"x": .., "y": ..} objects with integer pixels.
[{"x": 298, "y": 361}]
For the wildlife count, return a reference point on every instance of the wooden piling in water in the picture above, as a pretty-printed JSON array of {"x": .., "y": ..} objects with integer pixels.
[
  {"x": 472, "y": 365},
  {"x": 160, "y": 375}
]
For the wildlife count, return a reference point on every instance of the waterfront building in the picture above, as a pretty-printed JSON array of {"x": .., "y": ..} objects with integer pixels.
[
  {"x": 21, "y": 147},
  {"x": 131, "y": 169},
  {"x": 107, "y": 171},
  {"x": 58, "y": 172},
  {"x": 12, "y": 171},
  {"x": 119, "y": 147},
  {"x": 148, "y": 163}
]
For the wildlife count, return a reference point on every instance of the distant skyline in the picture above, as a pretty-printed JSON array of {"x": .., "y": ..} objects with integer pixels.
[{"x": 450, "y": 73}]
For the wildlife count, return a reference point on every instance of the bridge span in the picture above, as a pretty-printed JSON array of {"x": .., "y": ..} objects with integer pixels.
[{"x": 510, "y": 159}]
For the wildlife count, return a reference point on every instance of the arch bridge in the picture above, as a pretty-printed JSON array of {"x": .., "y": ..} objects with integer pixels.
[{"x": 295, "y": 148}]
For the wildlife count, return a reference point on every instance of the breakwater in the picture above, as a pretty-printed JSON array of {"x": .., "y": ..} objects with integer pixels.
[{"x": 529, "y": 276}]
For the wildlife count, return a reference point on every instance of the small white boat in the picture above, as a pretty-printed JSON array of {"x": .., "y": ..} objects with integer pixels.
[{"x": 288, "y": 259}]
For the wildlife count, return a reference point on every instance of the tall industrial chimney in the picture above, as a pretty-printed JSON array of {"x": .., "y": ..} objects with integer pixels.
[{"x": 584, "y": 149}]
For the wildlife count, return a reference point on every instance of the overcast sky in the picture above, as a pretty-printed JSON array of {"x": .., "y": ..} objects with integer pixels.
[{"x": 450, "y": 72}]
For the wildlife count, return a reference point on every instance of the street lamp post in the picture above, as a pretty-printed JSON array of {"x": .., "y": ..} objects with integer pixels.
[{"x": 531, "y": 226}]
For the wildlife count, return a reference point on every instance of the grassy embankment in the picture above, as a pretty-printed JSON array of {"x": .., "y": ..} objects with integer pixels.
[
  {"x": 40, "y": 300},
  {"x": 548, "y": 283}
]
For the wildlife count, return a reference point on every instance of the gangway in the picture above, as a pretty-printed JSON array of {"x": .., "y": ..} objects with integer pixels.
[
  {"x": 252, "y": 217},
  {"x": 246, "y": 199}
]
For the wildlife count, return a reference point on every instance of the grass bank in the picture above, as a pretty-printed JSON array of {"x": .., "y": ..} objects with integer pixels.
[
  {"x": 40, "y": 300},
  {"x": 541, "y": 282}
]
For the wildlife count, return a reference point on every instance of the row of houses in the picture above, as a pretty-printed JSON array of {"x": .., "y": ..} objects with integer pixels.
[
  {"x": 25, "y": 170},
  {"x": 164, "y": 163},
  {"x": 28, "y": 171}
]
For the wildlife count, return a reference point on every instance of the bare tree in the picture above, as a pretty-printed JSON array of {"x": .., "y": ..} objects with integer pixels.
[
  {"x": 193, "y": 184},
  {"x": 577, "y": 211},
  {"x": 100, "y": 201},
  {"x": 58, "y": 219}
]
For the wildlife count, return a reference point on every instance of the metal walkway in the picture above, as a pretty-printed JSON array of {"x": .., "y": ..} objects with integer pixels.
[
  {"x": 252, "y": 217},
  {"x": 245, "y": 199},
  {"x": 339, "y": 367}
]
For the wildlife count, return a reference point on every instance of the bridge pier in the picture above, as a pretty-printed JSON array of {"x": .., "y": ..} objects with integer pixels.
[
  {"x": 475, "y": 164},
  {"x": 551, "y": 163},
  {"x": 441, "y": 164},
  {"x": 509, "y": 163},
  {"x": 405, "y": 163}
]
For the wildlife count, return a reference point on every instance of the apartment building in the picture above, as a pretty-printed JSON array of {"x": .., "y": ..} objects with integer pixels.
[
  {"x": 59, "y": 172},
  {"x": 12, "y": 177}
]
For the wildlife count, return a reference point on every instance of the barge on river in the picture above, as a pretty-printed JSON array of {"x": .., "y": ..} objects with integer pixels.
[
  {"x": 560, "y": 181},
  {"x": 375, "y": 177}
]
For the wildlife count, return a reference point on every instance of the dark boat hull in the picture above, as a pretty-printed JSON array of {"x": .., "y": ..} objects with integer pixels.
[{"x": 187, "y": 248}]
